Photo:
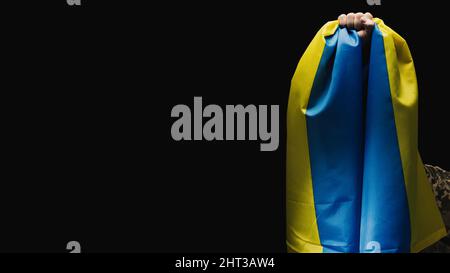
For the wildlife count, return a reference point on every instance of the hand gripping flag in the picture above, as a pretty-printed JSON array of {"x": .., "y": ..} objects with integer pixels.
[{"x": 355, "y": 180}]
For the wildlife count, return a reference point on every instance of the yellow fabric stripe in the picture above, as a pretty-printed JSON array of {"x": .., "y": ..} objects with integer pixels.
[
  {"x": 302, "y": 231},
  {"x": 427, "y": 226}
]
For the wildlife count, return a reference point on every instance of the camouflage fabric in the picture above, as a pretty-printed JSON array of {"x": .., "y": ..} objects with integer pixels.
[{"x": 440, "y": 180}]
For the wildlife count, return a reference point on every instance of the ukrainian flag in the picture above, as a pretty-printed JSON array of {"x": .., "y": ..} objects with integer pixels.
[{"x": 355, "y": 180}]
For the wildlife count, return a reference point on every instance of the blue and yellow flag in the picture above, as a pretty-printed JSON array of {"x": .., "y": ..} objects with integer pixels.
[{"x": 355, "y": 180}]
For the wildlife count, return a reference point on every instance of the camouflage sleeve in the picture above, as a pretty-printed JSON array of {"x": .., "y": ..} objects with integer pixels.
[{"x": 440, "y": 180}]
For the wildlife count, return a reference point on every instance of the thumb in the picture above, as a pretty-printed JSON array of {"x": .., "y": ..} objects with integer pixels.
[{"x": 367, "y": 24}]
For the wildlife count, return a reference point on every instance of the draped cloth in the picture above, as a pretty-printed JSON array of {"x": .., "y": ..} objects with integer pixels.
[{"x": 355, "y": 179}]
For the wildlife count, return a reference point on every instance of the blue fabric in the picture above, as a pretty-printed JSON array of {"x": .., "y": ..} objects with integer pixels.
[
  {"x": 356, "y": 192},
  {"x": 384, "y": 192},
  {"x": 334, "y": 121}
]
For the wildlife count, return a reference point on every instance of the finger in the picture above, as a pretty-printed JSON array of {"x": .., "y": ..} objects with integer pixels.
[
  {"x": 368, "y": 15},
  {"x": 342, "y": 20},
  {"x": 357, "y": 23},
  {"x": 350, "y": 20},
  {"x": 363, "y": 35},
  {"x": 367, "y": 24}
]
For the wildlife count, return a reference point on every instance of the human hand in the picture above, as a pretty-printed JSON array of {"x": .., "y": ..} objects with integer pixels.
[{"x": 361, "y": 22}]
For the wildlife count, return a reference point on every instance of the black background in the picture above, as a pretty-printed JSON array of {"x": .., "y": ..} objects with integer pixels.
[{"x": 87, "y": 96}]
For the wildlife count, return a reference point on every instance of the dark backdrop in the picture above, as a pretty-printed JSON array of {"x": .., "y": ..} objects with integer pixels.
[{"x": 88, "y": 93}]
